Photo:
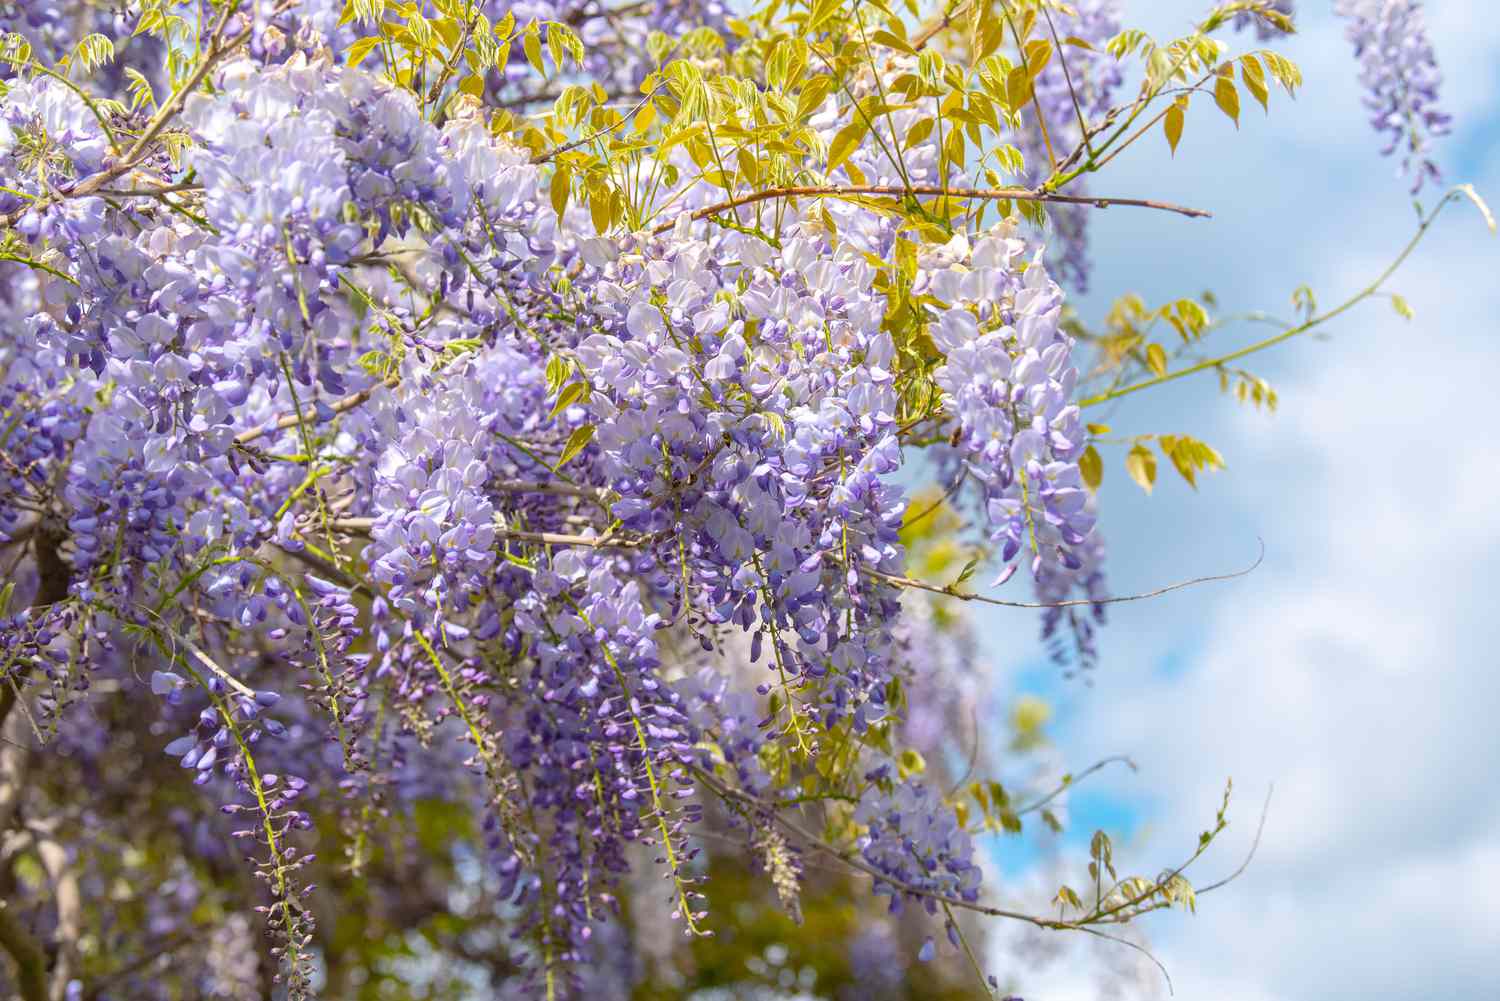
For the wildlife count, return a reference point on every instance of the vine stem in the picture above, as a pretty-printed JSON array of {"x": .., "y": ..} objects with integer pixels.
[{"x": 1462, "y": 191}]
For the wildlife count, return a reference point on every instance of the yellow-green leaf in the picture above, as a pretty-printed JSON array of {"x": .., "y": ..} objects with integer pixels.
[
  {"x": 1227, "y": 97},
  {"x": 1141, "y": 465},
  {"x": 1176, "y": 119},
  {"x": 571, "y": 394},
  {"x": 599, "y": 209},
  {"x": 845, "y": 143},
  {"x": 823, "y": 10},
  {"x": 1156, "y": 357},
  {"x": 577, "y": 441},
  {"x": 1017, "y": 88},
  {"x": 1255, "y": 80},
  {"x": 562, "y": 183},
  {"x": 361, "y": 48},
  {"x": 645, "y": 118},
  {"x": 891, "y": 41},
  {"x": 1038, "y": 55},
  {"x": 1092, "y": 468},
  {"x": 1190, "y": 456},
  {"x": 531, "y": 43},
  {"x": 919, "y": 131}
]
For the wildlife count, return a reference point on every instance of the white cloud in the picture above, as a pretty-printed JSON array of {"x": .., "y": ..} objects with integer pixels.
[{"x": 1356, "y": 668}]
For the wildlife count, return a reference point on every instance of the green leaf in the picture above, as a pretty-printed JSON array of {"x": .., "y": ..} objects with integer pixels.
[
  {"x": 1141, "y": 465},
  {"x": 577, "y": 441},
  {"x": 967, "y": 571},
  {"x": 557, "y": 372},
  {"x": 1402, "y": 307}
]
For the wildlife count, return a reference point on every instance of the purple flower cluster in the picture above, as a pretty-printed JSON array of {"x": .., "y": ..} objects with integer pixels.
[
  {"x": 1399, "y": 71},
  {"x": 781, "y": 490},
  {"x": 916, "y": 841},
  {"x": 587, "y": 518},
  {"x": 1009, "y": 380}
]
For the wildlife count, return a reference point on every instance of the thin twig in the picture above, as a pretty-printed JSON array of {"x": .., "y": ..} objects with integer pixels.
[
  {"x": 953, "y": 592},
  {"x": 1254, "y": 847},
  {"x": 584, "y": 141},
  {"x": 1138, "y": 948},
  {"x": 928, "y": 33},
  {"x": 1073, "y": 780}
]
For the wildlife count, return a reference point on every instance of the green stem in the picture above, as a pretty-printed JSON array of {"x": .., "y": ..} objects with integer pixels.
[{"x": 1213, "y": 363}]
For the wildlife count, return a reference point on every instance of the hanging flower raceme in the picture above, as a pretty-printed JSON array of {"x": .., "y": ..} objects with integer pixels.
[
  {"x": 1399, "y": 71},
  {"x": 1009, "y": 380}
]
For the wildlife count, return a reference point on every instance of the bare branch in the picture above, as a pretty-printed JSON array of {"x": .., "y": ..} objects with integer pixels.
[
  {"x": 339, "y": 406},
  {"x": 897, "y": 190}
]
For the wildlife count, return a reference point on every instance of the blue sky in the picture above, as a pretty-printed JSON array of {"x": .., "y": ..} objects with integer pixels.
[{"x": 1354, "y": 669}]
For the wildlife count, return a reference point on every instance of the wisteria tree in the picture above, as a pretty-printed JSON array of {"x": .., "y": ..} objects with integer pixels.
[{"x": 489, "y": 492}]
